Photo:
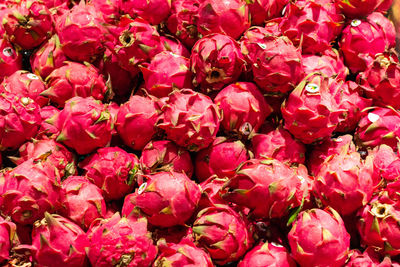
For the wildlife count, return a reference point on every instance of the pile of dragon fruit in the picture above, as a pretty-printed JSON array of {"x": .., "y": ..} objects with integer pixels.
[{"x": 199, "y": 133}]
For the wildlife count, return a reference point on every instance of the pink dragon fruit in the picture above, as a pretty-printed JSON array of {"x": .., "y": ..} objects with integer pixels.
[
  {"x": 319, "y": 238},
  {"x": 154, "y": 11},
  {"x": 357, "y": 8},
  {"x": 75, "y": 79},
  {"x": 113, "y": 170},
  {"x": 330, "y": 63},
  {"x": 25, "y": 84},
  {"x": 221, "y": 158},
  {"x": 166, "y": 199},
  {"x": 278, "y": 144},
  {"x": 173, "y": 45},
  {"x": 243, "y": 107},
  {"x": 7, "y": 238},
  {"x": 212, "y": 190},
  {"x": 136, "y": 121},
  {"x": 268, "y": 187},
  {"x": 223, "y": 233},
  {"x": 84, "y": 124},
  {"x": 165, "y": 155},
  {"x": 120, "y": 241},
  {"x": 47, "y": 128},
  {"x": 229, "y": 17},
  {"x": 48, "y": 57},
  {"x": 110, "y": 9},
  {"x": 58, "y": 241},
  {"x": 215, "y": 61},
  {"x": 166, "y": 72},
  {"x": 10, "y": 59},
  {"x": 386, "y": 163},
  {"x": 81, "y": 32},
  {"x": 368, "y": 259},
  {"x": 386, "y": 26},
  {"x": 20, "y": 120},
  {"x": 311, "y": 112},
  {"x": 28, "y": 23},
  {"x": 262, "y": 10},
  {"x": 267, "y": 254},
  {"x": 29, "y": 190},
  {"x": 82, "y": 201},
  {"x": 313, "y": 25}
]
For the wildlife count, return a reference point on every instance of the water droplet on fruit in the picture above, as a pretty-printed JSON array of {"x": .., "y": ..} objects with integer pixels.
[
  {"x": 276, "y": 245},
  {"x": 301, "y": 178},
  {"x": 142, "y": 188},
  {"x": 8, "y": 51},
  {"x": 32, "y": 76},
  {"x": 263, "y": 46},
  {"x": 312, "y": 88},
  {"x": 355, "y": 22},
  {"x": 373, "y": 117}
]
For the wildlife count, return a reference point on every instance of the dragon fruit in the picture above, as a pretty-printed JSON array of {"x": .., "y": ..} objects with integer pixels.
[
  {"x": 311, "y": 112},
  {"x": 313, "y": 25},
  {"x": 330, "y": 63},
  {"x": 154, "y": 11},
  {"x": 82, "y": 202},
  {"x": 84, "y": 124},
  {"x": 176, "y": 234},
  {"x": 58, "y": 241},
  {"x": 47, "y": 128},
  {"x": 173, "y": 45},
  {"x": 243, "y": 107},
  {"x": 28, "y": 23},
  {"x": 223, "y": 233},
  {"x": 81, "y": 32},
  {"x": 190, "y": 119},
  {"x": 24, "y": 83},
  {"x": 267, "y": 254},
  {"x": 357, "y": 8},
  {"x": 110, "y": 9},
  {"x": 136, "y": 121},
  {"x": 383, "y": 5},
  {"x": 7, "y": 237},
  {"x": 19, "y": 120},
  {"x": 165, "y": 155},
  {"x": 268, "y": 187},
  {"x": 221, "y": 158},
  {"x": 113, "y": 170},
  {"x": 319, "y": 238},
  {"x": 29, "y": 190},
  {"x": 212, "y": 191},
  {"x": 10, "y": 59},
  {"x": 166, "y": 199},
  {"x": 75, "y": 79},
  {"x": 215, "y": 61},
  {"x": 230, "y": 17},
  {"x": 166, "y": 72},
  {"x": 120, "y": 241},
  {"x": 48, "y": 57},
  {"x": 262, "y": 10},
  {"x": 386, "y": 163}
]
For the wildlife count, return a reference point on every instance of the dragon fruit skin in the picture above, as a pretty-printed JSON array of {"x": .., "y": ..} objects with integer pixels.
[
  {"x": 190, "y": 119},
  {"x": 154, "y": 11},
  {"x": 216, "y": 61},
  {"x": 165, "y": 155},
  {"x": 223, "y": 233},
  {"x": 28, "y": 24},
  {"x": 47, "y": 128},
  {"x": 173, "y": 45},
  {"x": 330, "y": 63},
  {"x": 383, "y": 5},
  {"x": 212, "y": 190},
  {"x": 244, "y": 108},
  {"x": 84, "y": 124},
  {"x": 29, "y": 190},
  {"x": 386, "y": 163},
  {"x": 313, "y": 25},
  {"x": 58, "y": 241},
  {"x": 113, "y": 170},
  {"x": 10, "y": 59},
  {"x": 263, "y": 10},
  {"x": 165, "y": 73},
  {"x": 230, "y": 17},
  {"x": 19, "y": 120},
  {"x": 110, "y": 9},
  {"x": 118, "y": 240},
  {"x": 82, "y": 35},
  {"x": 7, "y": 235},
  {"x": 82, "y": 201},
  {"x": 319, "y": 238},
  {"x": 267, "y": 254},
  {"x": 166, "y": 199},
  {"x": 136, "y": 121},
  {"x": 357, "y": 8}
]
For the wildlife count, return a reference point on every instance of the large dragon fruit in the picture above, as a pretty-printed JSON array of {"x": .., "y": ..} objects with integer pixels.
[
  {"x": 330, "y": 63},
  {"x": 10, "y": 59},
  {"x": 154, "y": 11},
  {"x": 319, "y": 238},
  {"x": 58, "y": 241},
  {"x": 190, "y": 119},
  {"x": 166, "y": 199},
  {"x": 113, "y": 170},
  {"x": 7, "y": 237}
]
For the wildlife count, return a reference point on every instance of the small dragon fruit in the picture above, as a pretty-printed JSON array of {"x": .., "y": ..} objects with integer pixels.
[
  {"x": 319, "y": 238},
  {"x": 110, "y": 9},
  {"x": 267, "y": 254},
  {"x": 7, "y": 237},
  {"x": 10, "y": 59},
  {"x": 28, "y": 23},
  {"x": 75, "y": 79},
  {"x": 154, "y": 11},
  {"x": 244, "y": 108},
  {"x": 165, "y": 73},
  {"x": 82, "y": 201},
  {"x": 215, "y": 61},
  {"x": 190, "y": 119},
  {"x": 47, "y": 128},
  {"x": 84, "y": 124},
  {"x": 119, "y": 241},
  {"x": 263, "y": 10},
  {"x": 330, "y": 63},
  {"x": 136, "y": 121},
  {"x": 58, "y": 241},
  {"x": 165, "y": 155},
  {"x": 223, "y": 233},
  {"x": 357, "y": 8},
  {"x": 230, "y": 17},
  {"x": 113, "y": 170},
  {"x": 166, "y": 199}
]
